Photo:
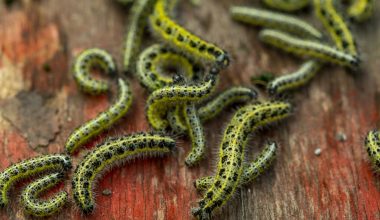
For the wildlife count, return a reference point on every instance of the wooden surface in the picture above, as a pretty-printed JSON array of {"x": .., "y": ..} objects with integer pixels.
[{"x": 40, "y": 106}]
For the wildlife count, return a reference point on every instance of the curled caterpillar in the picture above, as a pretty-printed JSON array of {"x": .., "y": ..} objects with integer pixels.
[
  {"x": 83, "y": 65},
  {"x": 176, "y": 119},
  {"x": 226, "y": 98},
  {"x": 335, "y": 25},
  {"x": 250, "y": 170},
  {"x": 296, "y": 79},
  {"x": 153, "y": 63},
  {"x": 140, "y": 12},
  {"x": 182, "y": 40},
  {"x": 108, "y": 154},
  {"x": 275, "y": 20},
  {"x": 162, "y": 99},
  {"x": 361, "y": 10},
  {"x": 232, "y": 152},
  {"x": 197, "y": 136},
  {"x": 308, "y": 48},
  {"x": 372, "y": 145},
  {"x": 30, "y": 167},
  {"x": 287, "y": 5},
  {"x": 41, "y": 208},
  {"x": 103, "y": 121}
]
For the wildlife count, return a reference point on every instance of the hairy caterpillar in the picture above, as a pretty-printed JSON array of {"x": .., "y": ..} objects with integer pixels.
[
  {"x": 250, "y": 170},
  {"x": 162, "y": 99},
  {"x": 109, "y": 154},
  {"x": 372, "y": 145},
  {"x": 287, "y": 5},
  {"x": 228, "y": 97},
  {"x": 30, "y": 167},
  {"x": 361, "y": 10},
  {"x": 151, "y": 67},
  {"x": 179, "y": 38},
  {"x": 103, "y": 121},
  {"x": 83, "y": 64},
  {"x": 296, "y": 79},
  {"x": 37, "y": 207},
  {"x": 308, "y": 48},
  {"x": 275, "y": 20},
  {"x": 335, "y": 25},
  {"x": 140, "y": 12},
  {"x": 231, "y": 154},
  {"x": 197, "y": 136}
]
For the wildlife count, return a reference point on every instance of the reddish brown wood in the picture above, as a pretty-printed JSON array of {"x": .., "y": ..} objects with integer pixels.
[{"x": 338, "y": 184}]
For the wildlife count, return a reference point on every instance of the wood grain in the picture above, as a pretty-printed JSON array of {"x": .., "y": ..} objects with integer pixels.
[{"x": 38, "y": 40}]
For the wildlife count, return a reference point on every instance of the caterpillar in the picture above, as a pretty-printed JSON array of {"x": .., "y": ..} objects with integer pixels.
[
  {"x": 232, "y": 152},
  {"x": 335, "y": 25},
  {"x": 287, "y": 5},
  {"x": 197, "y": 136},
  {"x": 226, "y": 98},
  {"x": 152, "y": 62},
  {"x": 361, "y": 10},
  {"x": 176, "y": 119},
  {"x": 30, "y": 167},
  {"x": 108, "y": 154},
  {"x": 179, "y": 38},
  {"x": 162, "y": 99},
  {"x": 275, "y": 20},
  {"x": 372, "y": 145},
  {"x": 250, "y": 170},
  {"x": 103, "y": 121},
  {"x": 83, "y": 64},
  {"x": 312, "y": 49},
  {"x": 296, "y": 79},
  {"x": 40, "y": 208},
  {"x": 140, "y": 12}
]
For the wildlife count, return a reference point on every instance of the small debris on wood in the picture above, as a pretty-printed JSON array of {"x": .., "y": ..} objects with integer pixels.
[
  {"x": 107, "y": 192},
  {"x": 317, "y": 151},
  {"x": 340, "y": 136}
]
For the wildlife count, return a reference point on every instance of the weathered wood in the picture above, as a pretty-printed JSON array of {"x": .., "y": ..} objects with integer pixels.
[{"x": 41, "y": 105}]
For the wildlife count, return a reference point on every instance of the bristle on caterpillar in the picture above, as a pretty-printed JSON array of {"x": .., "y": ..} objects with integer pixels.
[
  {"x": 250, "y": 170},
  {"x": 103, "y": 121},
  {"x": 108, "y": 154}
]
